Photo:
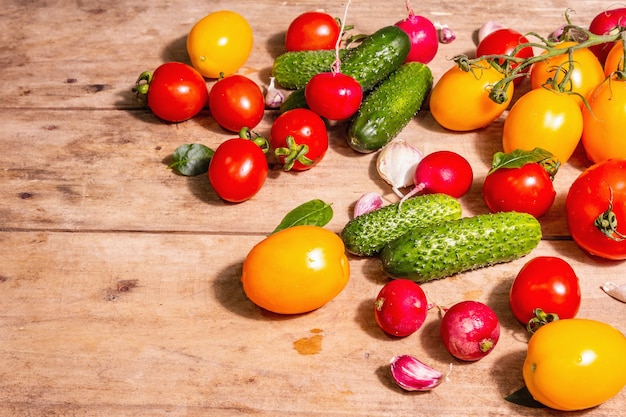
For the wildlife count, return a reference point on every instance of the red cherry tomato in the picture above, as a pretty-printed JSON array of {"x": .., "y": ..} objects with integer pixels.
[
  {"x": 312, "y": 31},
  {"x": 175, "y": 91},
  {"x": 548, "y": 283},
  {"x": 299, "y": 139},
  {"x": 526, "y": 189},
  {"x": 596, "y": 209},
  {"x": 237, "y": 170},
  {"x": 504, "y": 42},
  {"x": 401, "y": 307},
  {"x": 236, "y": 102},
  {"x": 333, "y": 95}
]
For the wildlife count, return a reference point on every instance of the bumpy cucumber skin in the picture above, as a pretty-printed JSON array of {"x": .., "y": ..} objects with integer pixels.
[
  {"x": 367, "y": 234},
  {"x": 390, "y": 107},
  {"x": 441, "y": 250},
  {"x": 292, "y": 70}
]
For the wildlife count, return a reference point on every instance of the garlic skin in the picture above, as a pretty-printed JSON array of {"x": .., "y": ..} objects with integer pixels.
[
  {"x": 616, "y": 291},
  {"x": 273, "y": 96},
  {"x": 412, "y": 375},
  {"x": 396, "y": 164},
  {"x": 367, "y": 202},
  {"x": 446, "y": 35},
  {"x": 487, "y": 28}
]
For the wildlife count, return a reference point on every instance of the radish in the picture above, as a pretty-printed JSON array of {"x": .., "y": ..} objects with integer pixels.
[
  {"x": 606, "y": 22},
  {"x": 443, "y": 172},
  {"x": 401, "y": 307},
  {"x": 470, "y": 330},
  {"x": 423, "y": 36}
]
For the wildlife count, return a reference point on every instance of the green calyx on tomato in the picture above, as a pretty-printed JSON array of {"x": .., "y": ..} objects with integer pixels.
[
  {"x": 294, "y": 153},
  {"x": 541, "y": 318},
  {"x": 260, "y": 141},
  {"x": 606, "y": 222}
]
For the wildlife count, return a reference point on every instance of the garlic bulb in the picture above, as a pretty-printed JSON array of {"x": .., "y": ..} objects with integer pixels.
[{"x": 396, "y": 164}]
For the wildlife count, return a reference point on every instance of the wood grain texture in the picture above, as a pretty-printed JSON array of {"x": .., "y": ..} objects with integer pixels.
[{"x": 120, "y": 279}]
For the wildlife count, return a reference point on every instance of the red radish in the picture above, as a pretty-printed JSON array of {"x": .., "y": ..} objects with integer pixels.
[
  {"x": 423, "y": 36},
  {"x": 401, "y": 307},
  {"x": 443, "y": 172},
  {"x": 470, "y": 330},
  {"x": 333, "y": 95},
  {"x": 606, "y": 22}
]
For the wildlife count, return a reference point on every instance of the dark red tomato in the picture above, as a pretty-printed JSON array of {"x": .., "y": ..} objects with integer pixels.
[
  {"x": 604, "y": 23},
  {"x": 401, "y": 307},
  {"x": 299, "y": 139},
  {"x": 237, "y": 170},
  {"x": 312, "y": 31},
  {"x": 236, "y": 102},
  {"x": 527, "y": 189},
  {"x": 175, "y": 91},
  {"x": 504, "y": 42},
  {"x": 548, "y": 283},
  {"x": 596, "y": 209},
  {"x": 333, "y": 95}
]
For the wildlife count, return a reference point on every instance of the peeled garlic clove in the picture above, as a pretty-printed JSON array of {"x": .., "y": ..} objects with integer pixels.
[
  {"x": 412, "y": 375},
  {"x": 616, "y": 291},
  {"x": 367, "y": 202},
  {"x": 396, "y": 164}
]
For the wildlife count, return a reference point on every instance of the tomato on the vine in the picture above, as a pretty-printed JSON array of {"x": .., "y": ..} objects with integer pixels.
[
  {"x": 505, "y": 42},
  {"x": 544, "y": 118},
  {"x": 603, "y": 135},
  {"x": 238, "y": 169},
  {"x": 596, "y": 209},
  {"x": 547, "y": 283},
  {"x": 460, "y": 100},
  {"x": 614, "y": 59},
  {"x": 220, "y": 43},
  {"x": 333, "y": 95},
  {"x": 175, "y": 91},
  {"x": 236, "y": 102},
  {"x": 312, "y": 31},
  {"x": 299, "y": 138}
]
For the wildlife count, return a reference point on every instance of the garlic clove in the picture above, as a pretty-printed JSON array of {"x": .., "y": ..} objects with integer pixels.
[
  {"x": 273, "y": 96},
  {"x": 616, "y": 291},
  {"x": 411, "y": 374},
  {"x": 487, "y": 28},
  {"x": 396, "y": 164},
  {"x": 446, "y": 35},
  {"x": 368, "y": 202}
]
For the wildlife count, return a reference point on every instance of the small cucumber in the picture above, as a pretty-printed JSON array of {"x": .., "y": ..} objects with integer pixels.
[
  {"x": 442, "y": 250},
  {"x": 388, "y": 108},
  {"x": 373, "y": 60},
  {"x": 367, "y": 234}
]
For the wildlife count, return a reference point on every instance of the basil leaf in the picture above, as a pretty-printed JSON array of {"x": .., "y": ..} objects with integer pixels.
[
  {"x": 313, "y": 213},
  {"x": 519, "y": 158},
  {"x": 192, "y": 159},
  {"x": 523, "y": 397}
]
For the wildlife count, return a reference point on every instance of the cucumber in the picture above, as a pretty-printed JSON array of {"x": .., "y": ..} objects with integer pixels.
[
  {"x": 373, "y": 60},
  {"x": 295, "y": 100},
  {"x": 448, "y": 248},
  {"x": 387, "y": 109},
  {"x": 367, "y": 234},
  {"x": 292, "y": 70}
]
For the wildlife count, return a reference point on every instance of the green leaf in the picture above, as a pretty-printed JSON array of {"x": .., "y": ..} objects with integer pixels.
[
  {"x": 192, "y": 159},
  {"x": 519, "y": 158},
  {"x": 312, "y": 213},
  {"x": 523, "y": 397}
]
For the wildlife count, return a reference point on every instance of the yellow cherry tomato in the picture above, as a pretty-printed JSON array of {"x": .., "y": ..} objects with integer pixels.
[
  {"x": 604, "y": 136},
  {"x": 296, "y": 270},
  {"x": 460, "y": 99},
  {"x": 546, "y": 119},
  {"x": 614, "y": 59},
  {"x": 574, "y": 364},
  {"x": 584, "y": 71},
  {"x": 220, "y": 43}
]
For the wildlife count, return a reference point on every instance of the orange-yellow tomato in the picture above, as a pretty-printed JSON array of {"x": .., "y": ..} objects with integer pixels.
[
  {"x": 220, "y": 43},
  {"x": 584, "y": 71},
  {"x": 614, "y": 60},
  {"x": 460, "y": 99},
  {"x": 546, "y": 119},
  {"x": 296, "y": 270},
  {"x": 604, "y": 135},
  {"x": 574, "y": 364}
]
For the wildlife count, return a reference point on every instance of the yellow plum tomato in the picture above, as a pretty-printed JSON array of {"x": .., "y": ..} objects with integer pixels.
[
  {"x": 220, "y": 43},
  {"x": 460, "y": 99},
  {"x": 296, "y": 270},
  {"x": 546, "y": 119},
  {"x": 614, "y": 59},
  {"x": 575, "y": 364}
]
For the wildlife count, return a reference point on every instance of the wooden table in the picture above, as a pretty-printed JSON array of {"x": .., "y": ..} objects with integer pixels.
[{"x": 120, "y": 280}]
